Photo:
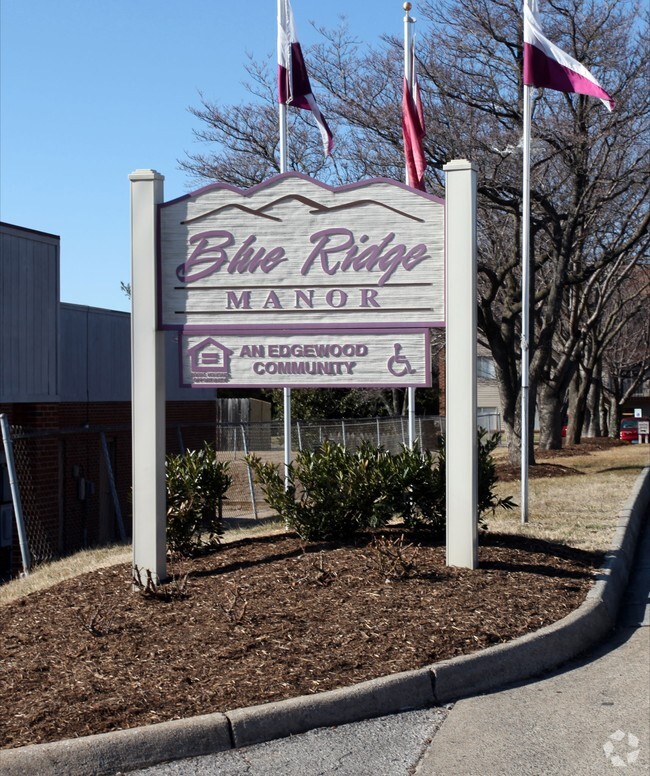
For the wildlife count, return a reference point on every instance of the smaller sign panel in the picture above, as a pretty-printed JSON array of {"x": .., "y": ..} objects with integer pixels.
[
  {"x": 310, "y": 360},
  {"x": 644, "y": 427}
]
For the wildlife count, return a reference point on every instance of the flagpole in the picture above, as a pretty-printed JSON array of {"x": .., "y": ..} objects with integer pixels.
[
  {"x": 283, "y": 136},
  {"x": 282, "y": 116},
  {"x": 525, "y": 305},
  {"x": 286, "y": 391},
  {"x": 408, "y": 75}
]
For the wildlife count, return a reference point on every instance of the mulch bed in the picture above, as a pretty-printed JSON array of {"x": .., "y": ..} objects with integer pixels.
[
  {"x": 507, "y": 472},
  {"x": 263, "y": 620}
]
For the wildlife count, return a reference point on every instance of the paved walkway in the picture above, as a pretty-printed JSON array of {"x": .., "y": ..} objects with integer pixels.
[{"x": 590, "y": 718}]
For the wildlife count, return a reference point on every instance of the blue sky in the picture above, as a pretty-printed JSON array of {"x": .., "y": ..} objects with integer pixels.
[{"x": 90, "y": 91}]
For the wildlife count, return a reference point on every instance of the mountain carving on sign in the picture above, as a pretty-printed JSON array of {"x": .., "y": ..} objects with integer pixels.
[{"x": 316, "y": 208}]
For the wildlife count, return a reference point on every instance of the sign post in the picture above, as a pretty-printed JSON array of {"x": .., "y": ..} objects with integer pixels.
[
  {"x": 148, "y": 382},
  {"x": 460, "y": 433}
]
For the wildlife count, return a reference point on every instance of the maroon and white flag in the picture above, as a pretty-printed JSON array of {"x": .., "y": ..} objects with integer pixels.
[
  {"x": 547, "y": 66},
  {"x": 413, "y": 133},
  {"x": 293, "y": 81}
]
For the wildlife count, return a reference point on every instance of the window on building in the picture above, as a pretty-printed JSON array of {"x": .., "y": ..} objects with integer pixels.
[
  {"x": 488, "y": 418},
  {"x": 485, "y": 368}
]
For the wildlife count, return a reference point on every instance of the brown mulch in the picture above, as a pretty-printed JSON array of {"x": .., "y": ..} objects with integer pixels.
[
  {"x": 507, "y": 472},
  {"x": 263, "y": 620}
]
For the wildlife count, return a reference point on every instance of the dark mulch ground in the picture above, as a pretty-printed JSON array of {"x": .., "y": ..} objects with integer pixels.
[
  {"x": 507, "y": 472},
  {"x": 264, "y": 620}
]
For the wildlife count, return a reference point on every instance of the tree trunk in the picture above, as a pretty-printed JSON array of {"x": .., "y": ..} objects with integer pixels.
[
  {"x": 399, "y": 405},
  {"x": 594, "y": 428},
  {"x": 615, "y": 415},
  {"x": 578, "y": 395},
  {"x": 550, "y": 418},
  {"x": 604, "y": 415}
]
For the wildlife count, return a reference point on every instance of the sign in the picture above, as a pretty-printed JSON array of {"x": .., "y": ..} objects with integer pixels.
[
  {"x": 293, "y": 253},
  {"x": 295, "y": 359},
  {"x": 644, "y": 427},
  {"x": 638, "y": 412}
]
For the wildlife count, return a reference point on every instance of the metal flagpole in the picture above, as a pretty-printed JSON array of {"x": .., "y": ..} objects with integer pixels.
[
  {"x": 286, "y": 391},
  {"x": 525, "y": 305},
  {"x": 408, "y": 75}
]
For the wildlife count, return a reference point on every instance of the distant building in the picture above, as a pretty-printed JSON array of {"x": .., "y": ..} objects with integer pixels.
[{"x": 65, "y": 386}]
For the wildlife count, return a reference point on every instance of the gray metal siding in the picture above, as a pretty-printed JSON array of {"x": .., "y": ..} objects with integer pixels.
[
  {"x": 95, "y": 354},
  {"x": 29, "y": 315},
  {"x": 96, "y": 358}
]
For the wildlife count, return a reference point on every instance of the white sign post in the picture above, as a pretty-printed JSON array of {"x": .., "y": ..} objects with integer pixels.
[
  {"x": 460, "y": 434},
  {"x": 148, "y": 382}
]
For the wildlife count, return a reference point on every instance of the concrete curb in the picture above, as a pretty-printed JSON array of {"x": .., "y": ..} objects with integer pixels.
[
  {"x": 523, "y": 658},
  {"x": 123, "y": 750}
]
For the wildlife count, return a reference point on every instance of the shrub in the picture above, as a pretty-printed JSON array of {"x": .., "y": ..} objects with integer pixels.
[
  {"x": 422, "y": 502},
  {"x": 332, "y": 493},
  {"x": 487, "y": 476},
  {"x": 196, "y": 486},
  {"x": 419, "y": 492}
]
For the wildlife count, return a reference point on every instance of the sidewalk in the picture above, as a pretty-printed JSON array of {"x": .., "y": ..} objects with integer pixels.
[{"x": 562, "y": 724}]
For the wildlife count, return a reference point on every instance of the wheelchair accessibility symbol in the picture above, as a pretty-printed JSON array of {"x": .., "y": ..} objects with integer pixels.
[{"x": 398, "y": 364}]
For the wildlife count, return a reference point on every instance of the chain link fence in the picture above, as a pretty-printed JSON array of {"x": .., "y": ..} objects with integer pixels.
[{"x": 75, "y": 483}]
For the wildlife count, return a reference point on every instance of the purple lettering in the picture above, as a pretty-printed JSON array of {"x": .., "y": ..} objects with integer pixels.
[
  {"x": 213, "y": 255},
  {"x": 273, "y": 301},
  {"x": 209, "y": 257},
  {"x": 321, "y": 240},
  {"x": 336, "y": 298},
  {"x": 301, "y": 296},
  {"x": 248, "y": 260},
  {"x": 369, "y": 297},
  {"x": 383, "y": 256},
  {"x": 415, "y": 256},
  {"x": 241, "y": 303}
]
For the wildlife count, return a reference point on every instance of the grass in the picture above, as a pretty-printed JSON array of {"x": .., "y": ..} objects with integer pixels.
[{"x": 580, "y": 510}]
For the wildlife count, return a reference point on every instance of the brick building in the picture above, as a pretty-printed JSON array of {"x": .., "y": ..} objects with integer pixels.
[{"x": 65, "y": 387}]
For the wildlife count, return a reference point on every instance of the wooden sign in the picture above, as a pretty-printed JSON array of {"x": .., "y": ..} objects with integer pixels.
[
  {"x": 298, "y": 359},
  {"x": 295, "y": 253}
]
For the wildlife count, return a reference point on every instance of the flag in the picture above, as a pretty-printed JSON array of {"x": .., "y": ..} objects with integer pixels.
[
  {"x": 546, "y": 65},
  {"x": 413, "y": 133},
  {"x": 293, "y": 81}
]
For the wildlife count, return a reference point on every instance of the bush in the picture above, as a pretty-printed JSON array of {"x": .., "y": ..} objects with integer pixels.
[
  {"x": 196, "y": 486},
  {"x": 423, "y": 500},
  {"x": 487, "y": 476},
  {"x": 332, "y": 493},
  {"x": 419, "y": 493}
]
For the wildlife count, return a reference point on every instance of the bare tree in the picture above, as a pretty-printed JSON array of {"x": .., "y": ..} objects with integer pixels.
[
  {"x": 589, "y": 169},
  {"x": 626, "y": 361}
]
